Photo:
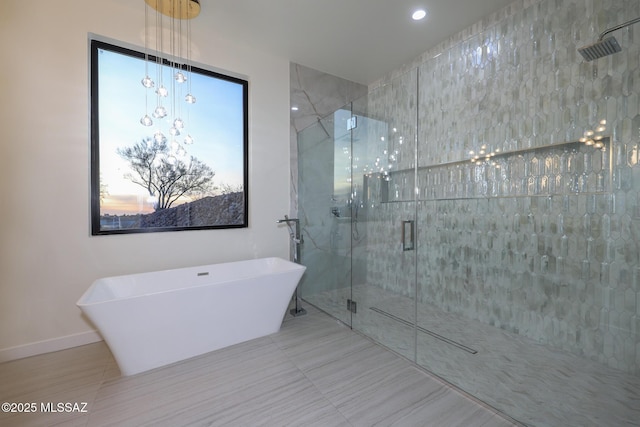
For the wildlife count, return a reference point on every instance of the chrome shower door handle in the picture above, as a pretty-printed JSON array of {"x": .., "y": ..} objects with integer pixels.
[{"x": 407, "y": 235}]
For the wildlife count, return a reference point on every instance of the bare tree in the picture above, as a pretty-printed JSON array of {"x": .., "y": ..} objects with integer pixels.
[
  {"x": 229, "y": 188},
  {"x": 164, "y": 175}
]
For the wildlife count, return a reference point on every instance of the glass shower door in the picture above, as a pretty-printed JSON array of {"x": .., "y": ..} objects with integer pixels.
[
  {"x": 324, "y": 209},
  {"x": 383, "y": 226}
]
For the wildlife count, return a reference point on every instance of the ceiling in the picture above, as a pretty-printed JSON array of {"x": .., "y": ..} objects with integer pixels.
[{"x": 359, "y": 40}]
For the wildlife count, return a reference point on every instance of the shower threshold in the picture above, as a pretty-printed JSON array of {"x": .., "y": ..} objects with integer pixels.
[{"x": 426, "y": 331}]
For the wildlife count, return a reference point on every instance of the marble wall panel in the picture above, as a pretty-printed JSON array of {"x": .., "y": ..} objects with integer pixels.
[
  {"x": 326, "y": 249},
  {"x": 314, "y": 95}
]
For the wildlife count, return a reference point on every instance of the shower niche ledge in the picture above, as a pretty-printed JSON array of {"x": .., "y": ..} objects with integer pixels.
[{"x": 557, "y": 169}]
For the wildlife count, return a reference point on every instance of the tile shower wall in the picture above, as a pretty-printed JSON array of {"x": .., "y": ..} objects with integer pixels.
[
  {"x": 530, "y": 247},
  {"x": 395, "y": 105}
]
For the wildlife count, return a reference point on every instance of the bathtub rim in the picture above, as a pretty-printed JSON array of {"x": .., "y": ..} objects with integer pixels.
[{"x": 82, "y": 301}]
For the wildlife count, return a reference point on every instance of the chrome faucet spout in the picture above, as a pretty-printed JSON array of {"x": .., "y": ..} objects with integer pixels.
[
  {"x": 295, "y": 234},
  {"x": 287, "y": 220},
  {"x": 297, "y": 240}
]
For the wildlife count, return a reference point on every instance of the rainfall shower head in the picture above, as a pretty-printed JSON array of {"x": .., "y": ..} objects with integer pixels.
[
  {"x": 604, "y": 47},
  {"x": 600, "y": 48}
]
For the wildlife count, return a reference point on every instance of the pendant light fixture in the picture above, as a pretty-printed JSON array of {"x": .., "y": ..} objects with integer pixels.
[{"x": 169, "y": 17}]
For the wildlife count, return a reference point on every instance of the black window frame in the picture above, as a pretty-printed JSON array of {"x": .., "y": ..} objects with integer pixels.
[{"x": 96, "y": 228}]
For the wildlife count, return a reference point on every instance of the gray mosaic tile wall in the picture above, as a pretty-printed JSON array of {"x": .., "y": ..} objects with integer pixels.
[{"x": 541, "y": 246}]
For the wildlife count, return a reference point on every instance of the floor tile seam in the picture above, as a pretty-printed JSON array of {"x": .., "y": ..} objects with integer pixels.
[
  {"x": 175, "y": 378},
  {"x": 407, "y": 411},
  {"x": 373, "y": 392},
  {"x": 198, "y": 416},
  {"x": 309, "y": 405},
  {"x": 376, "y": 344},
  {"x": 74, "y": 420},
  {"x": 326, "y": 339},
  {"x": 326, "y": 397},
  {"x": 61, "y": 384},
  {"x": 442, "y": 381},
  {"x": 382, "y": 373},
  {"x": 371, "y": 359},
  {"x": 92, "y": 402},
  {"x": 340, "y": 408},
  {"x": 344, "y": 330},
  {"x": 322, "y": 365},
  {"x": 95, "y": 388},
  {"x": 94, "y": 393},
  {"x": 472, "y": 398},
  {"x": 318, "y": 389},
  {"x": 45, "y": 419},
  {"x": 187, "y": 392}
]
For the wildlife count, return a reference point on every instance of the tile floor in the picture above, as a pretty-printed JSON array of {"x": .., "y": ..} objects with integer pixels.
[
  {"x": 314, "y": 372},
  {"x": 531, "y": 382}
]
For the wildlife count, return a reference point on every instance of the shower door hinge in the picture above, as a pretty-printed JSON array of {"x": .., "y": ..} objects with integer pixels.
[
  {"x": 352, "y": 123},
  {"x": 352, "y": 306}
]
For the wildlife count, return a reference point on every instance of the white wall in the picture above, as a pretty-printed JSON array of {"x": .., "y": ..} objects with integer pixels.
[{"x": 47, "y": 255}]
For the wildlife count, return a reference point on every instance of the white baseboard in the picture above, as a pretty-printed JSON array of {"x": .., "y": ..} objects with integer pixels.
[{"x": 47, "y": 346}]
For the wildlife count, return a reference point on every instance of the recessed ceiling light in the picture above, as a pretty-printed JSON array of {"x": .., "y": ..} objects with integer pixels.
[
  {"x": 419, "y": 14},
  {"x": 294, "y": 108}
]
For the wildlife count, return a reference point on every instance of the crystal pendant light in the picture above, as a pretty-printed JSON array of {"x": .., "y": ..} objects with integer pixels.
[
  {"x": 147, "y": 82},
  {"x": 159, "y": 137},
  {"x": 146, "y": 120},
  {"x": 162, "y": 91},
  {"x": 176, "y": 147},
  {"x": 167, "y": 117},
  {"x": 160, "y": 112},
  {"x": 180, "y": 77}
]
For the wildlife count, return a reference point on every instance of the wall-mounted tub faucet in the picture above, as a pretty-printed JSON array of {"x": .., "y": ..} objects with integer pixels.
[{"x": 296, "y": 237}]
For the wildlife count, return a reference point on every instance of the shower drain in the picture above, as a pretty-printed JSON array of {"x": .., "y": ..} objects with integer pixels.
[{"x": 426, "y": 331}]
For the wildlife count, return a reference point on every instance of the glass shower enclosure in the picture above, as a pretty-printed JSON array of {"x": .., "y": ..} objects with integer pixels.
[
  {"x": 488, "y": 265},
  {"x": 357, "y": 268}
]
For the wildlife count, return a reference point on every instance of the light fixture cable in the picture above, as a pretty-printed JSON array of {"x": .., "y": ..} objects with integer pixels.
[
  {"x": 180, "y": 71},
  {"x": 147, "y": 82}
]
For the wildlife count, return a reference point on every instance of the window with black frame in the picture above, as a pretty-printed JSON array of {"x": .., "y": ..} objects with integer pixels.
[{"x": 169, "y": 144}]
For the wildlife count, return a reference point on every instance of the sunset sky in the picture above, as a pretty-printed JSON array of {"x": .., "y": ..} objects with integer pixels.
[{"x": 215, "y": 122}]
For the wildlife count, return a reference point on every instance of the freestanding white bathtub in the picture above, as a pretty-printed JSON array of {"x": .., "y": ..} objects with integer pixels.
[{"x": 154, "y": 319}]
